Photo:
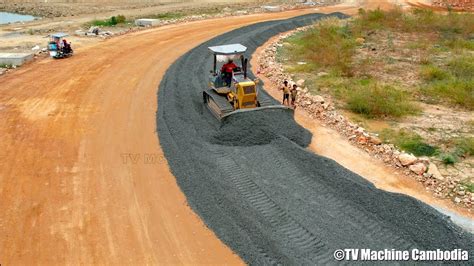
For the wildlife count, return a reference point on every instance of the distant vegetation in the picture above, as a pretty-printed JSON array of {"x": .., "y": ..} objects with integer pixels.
[
  {"x": 409, "y": 142},
  {"x": 331, "y": 46},
  {"x": 112, "y": 21},
  {"x": 339, "y": 57},
  {"x": 169, "y": 15}
]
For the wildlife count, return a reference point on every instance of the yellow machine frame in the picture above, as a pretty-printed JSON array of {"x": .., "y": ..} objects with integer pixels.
[{"x": 245, "y": 95}]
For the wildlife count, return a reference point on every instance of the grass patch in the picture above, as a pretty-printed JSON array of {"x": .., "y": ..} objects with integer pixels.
[
  {"x": 448, "y": 158},
  {"x": 454, "y": 83},
  {"x": 169, "y": 15},
  {"x": 376, "y": 101},
  {"x": 469, "y": 186},
  {"x": 409, "y": 142},
  {"x": 465, "y": 146},
  {"x": 112, "y": 21},
  {"x": 327, "y": 46},
  {"x": 432, "y": 73},
  {"x": 451, "y": 27}
]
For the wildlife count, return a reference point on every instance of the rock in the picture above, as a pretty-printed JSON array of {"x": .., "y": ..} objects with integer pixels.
[
  {"x": 461, "y": 193},
  {"x": 418, "y": 168},
  {"x": 406, "y": 159},
  {"x": 362, "y": 139},
  {"x": 360, "y": 41},
  {"x": 2, "y": 71},
  {"x": 322, "y": 74},
  {"x": 36, "y": 47},
  {"x": 93, "y": 30},
  {"x": 360, "y": 130},
  {"x": 424, "y": 160},
  {"x": 326, "y": 106},
  {"x": 457, "y": 200},
  {"x": 375, "y": 140},
  {"x": 318, "y": 99},
  {"x": 433, "y": 171},
  {"x": 300, "y": 82}
]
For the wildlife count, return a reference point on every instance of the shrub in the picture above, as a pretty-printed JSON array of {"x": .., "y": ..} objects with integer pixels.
[
  {"x": 112, "y": 21},
  {"x": 458, "y": 92},
  {"x": 432, "y": 73},
  {"x": 465, "y": 146},
  {"x": 469, "y": 186},
  {"x": 462, "y": 67},
  {"x": 448, "y": 158},
  {"x": 374, "y": 100},
  {"x": 409, "y": 141}
]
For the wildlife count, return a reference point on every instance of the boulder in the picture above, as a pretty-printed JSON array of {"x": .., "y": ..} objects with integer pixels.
[
  {"x": 375, "y": 140},
  {"x": 406, "y": 159},
  {"x": 424, "y": 159},
  {"x": 322, "y": 74},
  {"x": 362, "y": 140},
  {"x": 318, "y": 99},
  {"x": 434, "y": 172},
  {"x": 418, "y": 168}
]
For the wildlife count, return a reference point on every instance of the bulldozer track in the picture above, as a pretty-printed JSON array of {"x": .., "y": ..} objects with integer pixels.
[
  {"x": 341, "y": 209},
  {"x": 303, "y": 241}
]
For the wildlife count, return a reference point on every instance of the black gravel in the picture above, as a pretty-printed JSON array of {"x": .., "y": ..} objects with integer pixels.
[{"x": 254, "y": 184}]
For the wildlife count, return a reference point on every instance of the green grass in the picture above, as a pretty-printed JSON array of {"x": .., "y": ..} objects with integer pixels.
[
  {"x": 327, "y": 46},
  {"x": 462, "y": 67},
  {"x": 448, "y": 158},
  {"x": 112, "y": 21},
  {"x": 469, "y": 186},
  {"x": 169, "y": 15},
  {"x": 379, "y": 101},
  {"x": 409, "y": 142},
  {"x": 465, "y": 146},
  {"x": 453, "y": 83},
  {"x": 451, "y": 27},
  {"x": 432, "y": 73}
]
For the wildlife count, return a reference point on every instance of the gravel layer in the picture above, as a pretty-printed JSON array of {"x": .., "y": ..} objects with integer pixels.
[{"x": 254, "y": 184}]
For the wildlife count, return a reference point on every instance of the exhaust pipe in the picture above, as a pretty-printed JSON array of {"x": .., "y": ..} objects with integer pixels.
[{"x": 245, "y": 67}]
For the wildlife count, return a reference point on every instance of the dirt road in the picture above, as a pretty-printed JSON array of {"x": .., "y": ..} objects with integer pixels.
[{"x": 82, "y": 176}]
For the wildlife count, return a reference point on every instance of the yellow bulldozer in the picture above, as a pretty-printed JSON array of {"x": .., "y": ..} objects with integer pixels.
[{"x": 231, "y": 90}]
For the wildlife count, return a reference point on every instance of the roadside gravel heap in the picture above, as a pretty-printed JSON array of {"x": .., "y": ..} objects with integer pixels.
[{"x": 322, "y": 109}]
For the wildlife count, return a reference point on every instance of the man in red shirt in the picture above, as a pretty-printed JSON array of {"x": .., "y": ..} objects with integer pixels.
[{"x": 227, "y": 70}]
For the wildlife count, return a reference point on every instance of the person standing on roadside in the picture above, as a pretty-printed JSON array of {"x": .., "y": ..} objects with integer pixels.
[
  {"x": 286, "y": 92},
  {"x": 294, "y": 92}
]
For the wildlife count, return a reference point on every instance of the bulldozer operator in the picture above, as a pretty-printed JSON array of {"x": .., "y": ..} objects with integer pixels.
[{"x": 227, "y": 70}]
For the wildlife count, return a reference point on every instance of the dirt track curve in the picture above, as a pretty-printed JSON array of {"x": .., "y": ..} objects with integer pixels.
[
  {"x": 82, "y": 176},
  {"x": 268, "y": 198}
]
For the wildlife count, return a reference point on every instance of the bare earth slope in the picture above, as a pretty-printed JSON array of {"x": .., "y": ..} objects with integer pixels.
[{"x": 266, "y": 196}]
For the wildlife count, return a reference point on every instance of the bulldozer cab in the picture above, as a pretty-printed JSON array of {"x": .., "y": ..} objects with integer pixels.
[
  {"x": 221, "y": 55},
  {"x": 233, "y": 92}
]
